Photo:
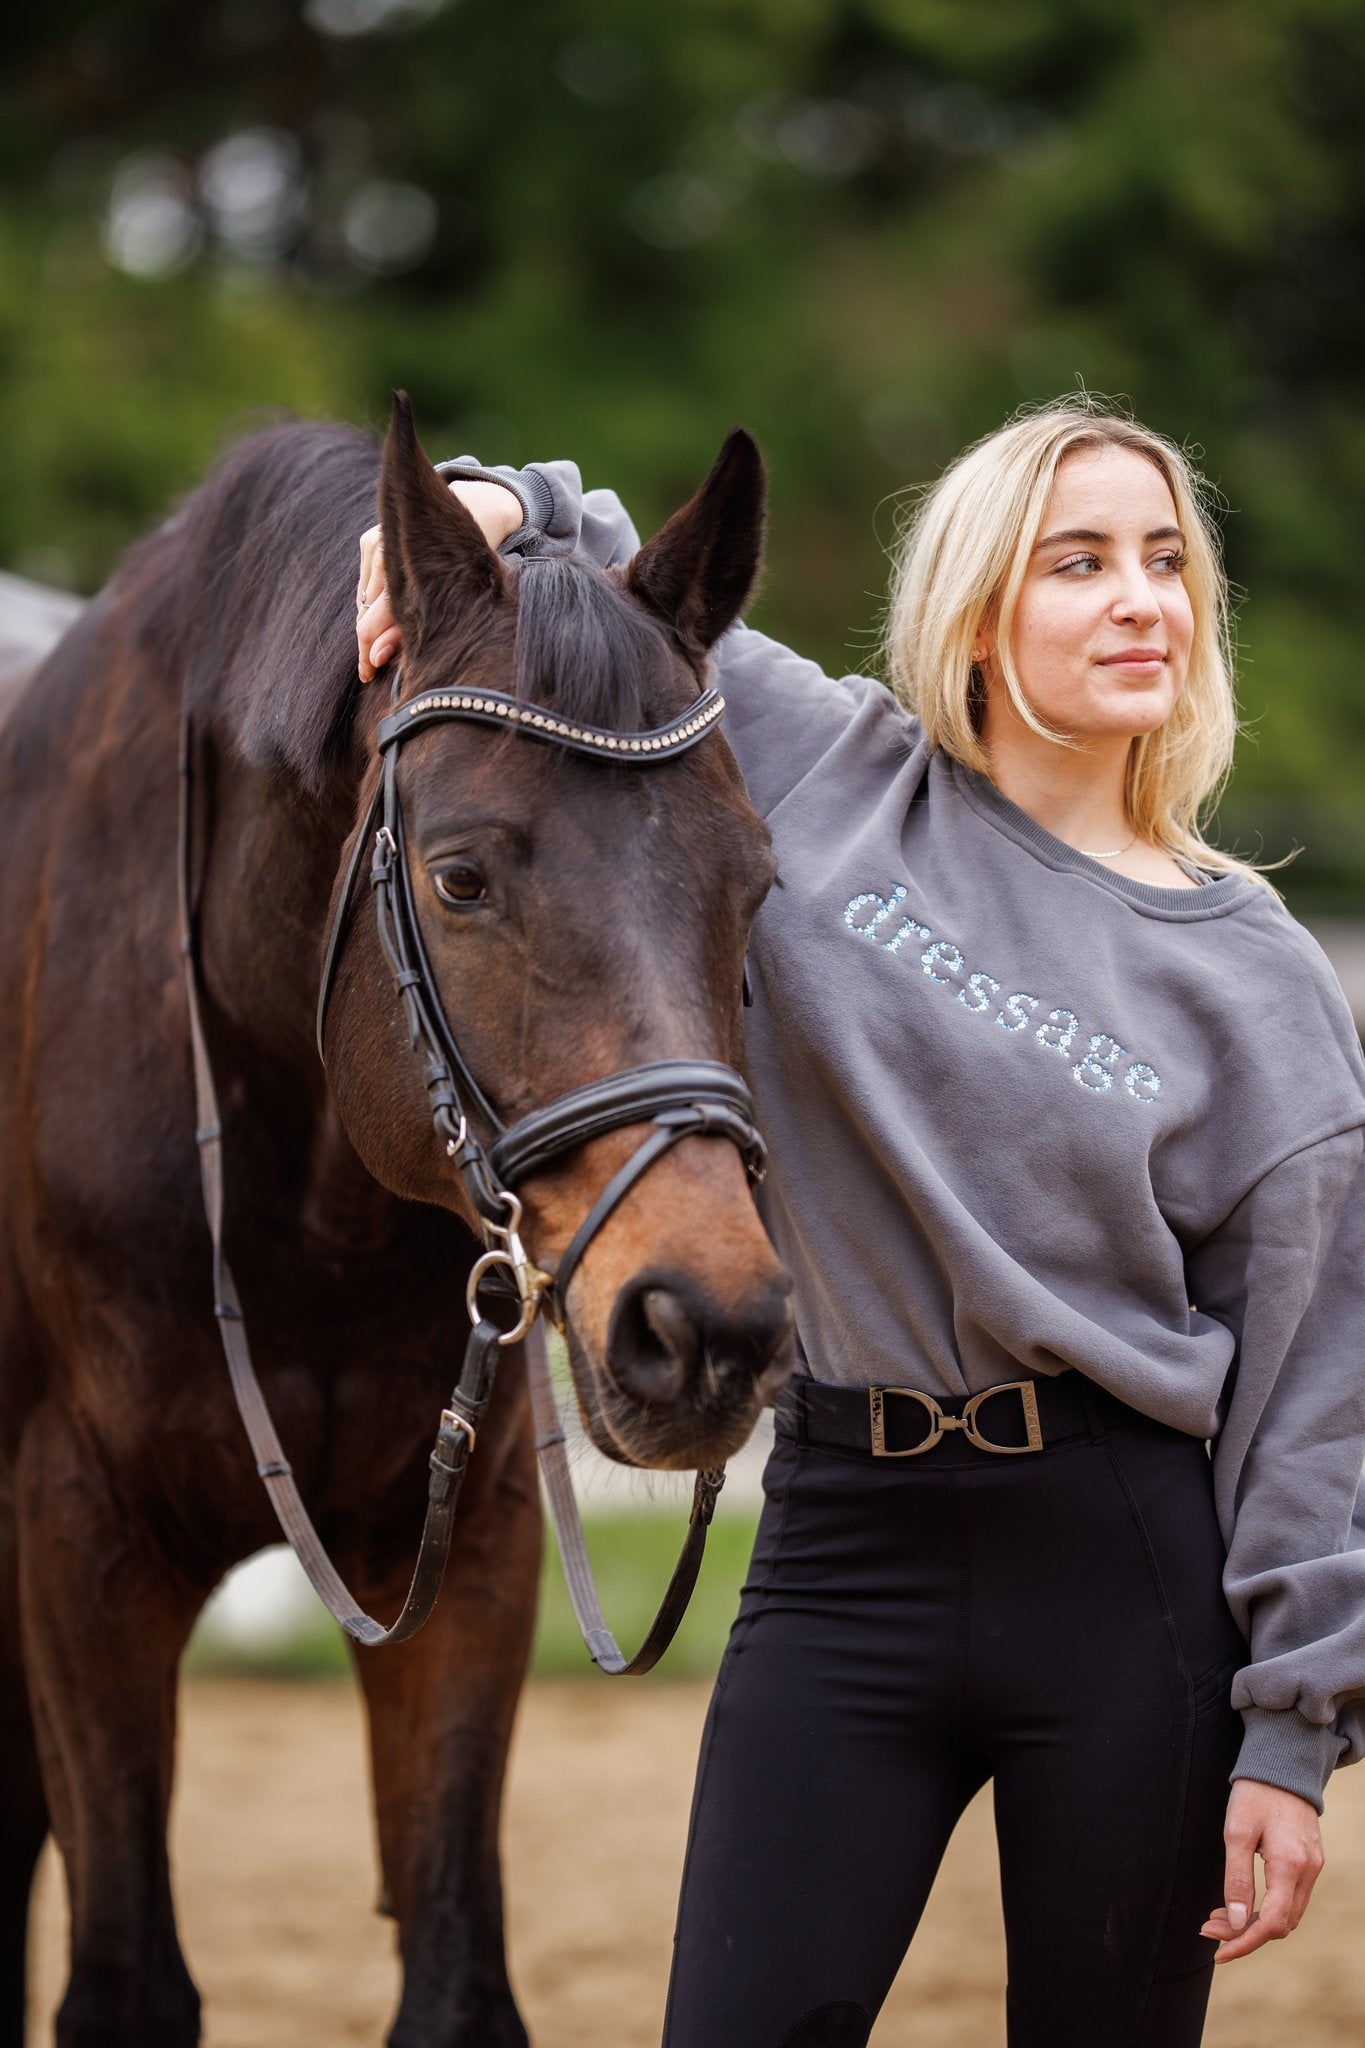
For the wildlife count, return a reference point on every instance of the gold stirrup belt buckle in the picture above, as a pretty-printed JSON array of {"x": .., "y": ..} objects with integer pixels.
[{"x": 940, "y": 1423}]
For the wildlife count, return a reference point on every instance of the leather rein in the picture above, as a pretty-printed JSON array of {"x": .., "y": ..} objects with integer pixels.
[{"x": 678, "y": 1098}]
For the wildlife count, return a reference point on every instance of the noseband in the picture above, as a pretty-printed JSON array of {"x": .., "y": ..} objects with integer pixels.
[{"x": 680, "y": 1098}]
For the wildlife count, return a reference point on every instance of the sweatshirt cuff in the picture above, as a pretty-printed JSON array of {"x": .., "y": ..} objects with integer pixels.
[
  {"x": 1281, "y": 1748},
  {"x": 527, "y": 486}
]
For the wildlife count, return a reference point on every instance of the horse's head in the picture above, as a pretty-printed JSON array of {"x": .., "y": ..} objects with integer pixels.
[{"x": 582, "y": 917}]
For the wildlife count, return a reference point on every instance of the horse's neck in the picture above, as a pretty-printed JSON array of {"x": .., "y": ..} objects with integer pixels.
[
  {"x": 270, "y": 857},
  {"x": 267, "y": 857}
]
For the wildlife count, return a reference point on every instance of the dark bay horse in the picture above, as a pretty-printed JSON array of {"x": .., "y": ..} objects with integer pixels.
[{"x": 581, "y": 919}]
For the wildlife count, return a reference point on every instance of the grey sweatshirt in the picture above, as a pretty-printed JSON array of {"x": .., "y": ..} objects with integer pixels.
[{"x": 1026, "y": 1112}]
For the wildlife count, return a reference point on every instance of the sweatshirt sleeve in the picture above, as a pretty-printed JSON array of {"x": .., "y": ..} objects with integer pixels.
[
  {"x": 782, "y": 713},
  {"x": 558, "y": 516},
  {"x": 1286, "y": 1273}
]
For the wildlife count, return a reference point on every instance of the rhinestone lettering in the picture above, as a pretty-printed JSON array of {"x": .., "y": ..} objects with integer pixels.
[
  {"x": 1017, "y": 1011},
  {"x": 942, "y": 953},
  {"x": 943, "y": 962},
  {"x": 980, "y": 992},
  {"x": 1059, "y": 1030},
  {"x": 867, "y": 928}
]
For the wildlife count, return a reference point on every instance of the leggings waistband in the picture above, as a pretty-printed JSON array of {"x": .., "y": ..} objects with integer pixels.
[{"x": 910, "y": 1427}]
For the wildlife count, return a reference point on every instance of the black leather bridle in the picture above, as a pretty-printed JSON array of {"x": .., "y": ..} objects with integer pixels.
[{"x": 678, "y": 1098}]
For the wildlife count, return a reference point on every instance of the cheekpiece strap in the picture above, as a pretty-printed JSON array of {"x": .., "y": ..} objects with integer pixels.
[{"x": 493, "y": 707}]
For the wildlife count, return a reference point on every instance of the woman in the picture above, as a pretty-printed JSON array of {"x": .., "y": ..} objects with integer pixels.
[{"x": 1061, "y": 1104}]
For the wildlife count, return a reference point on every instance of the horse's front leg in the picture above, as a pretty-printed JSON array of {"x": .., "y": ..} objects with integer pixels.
[
  {"x": 104, "y": 1621},
  {"x": 440, "y": 1712}
]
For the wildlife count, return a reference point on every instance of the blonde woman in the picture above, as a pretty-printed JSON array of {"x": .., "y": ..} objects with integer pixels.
[{"x": 1065, "y": 1114}]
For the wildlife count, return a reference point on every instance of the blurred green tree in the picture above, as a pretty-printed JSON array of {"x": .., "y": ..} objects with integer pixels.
[{"x": 867, "y": 228}]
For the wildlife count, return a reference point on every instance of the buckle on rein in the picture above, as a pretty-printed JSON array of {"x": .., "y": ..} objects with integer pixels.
[{"x": 940, "y": 1423}]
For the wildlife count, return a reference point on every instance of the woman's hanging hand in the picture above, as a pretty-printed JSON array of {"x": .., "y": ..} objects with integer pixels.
[
  {"x": 497, "y": 513},
  {"x": 1283, "y": 1831}
]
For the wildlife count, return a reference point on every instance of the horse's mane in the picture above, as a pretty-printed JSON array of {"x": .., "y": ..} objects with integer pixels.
[
  {"x": 253, "y": 594},
  {"x": 248, "y": 594}
]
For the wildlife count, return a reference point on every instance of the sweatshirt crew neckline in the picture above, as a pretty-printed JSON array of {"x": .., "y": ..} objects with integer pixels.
[{"x": 1209, "y": 899}]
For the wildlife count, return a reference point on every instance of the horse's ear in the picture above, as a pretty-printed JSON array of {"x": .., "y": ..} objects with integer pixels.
[
  {"x": 440, "y": 570},
  {"x": 698, "y": 570}
]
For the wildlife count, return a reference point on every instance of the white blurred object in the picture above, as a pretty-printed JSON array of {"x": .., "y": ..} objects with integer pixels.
[
  {"x": 32, "y": 621},
  {"x": 1343, "y": 941},
  {"x": 262, "y": 1606},
  {"x": 152, "y": 227}
]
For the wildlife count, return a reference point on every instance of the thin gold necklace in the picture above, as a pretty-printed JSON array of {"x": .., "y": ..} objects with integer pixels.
[{"x": 1113, "y": 852}]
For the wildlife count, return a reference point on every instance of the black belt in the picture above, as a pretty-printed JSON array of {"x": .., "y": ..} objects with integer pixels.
[{"x": 1010, "y": 1420}]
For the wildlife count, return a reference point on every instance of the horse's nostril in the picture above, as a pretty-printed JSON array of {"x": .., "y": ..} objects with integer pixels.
[
  {"x": 667, "y": 1341},
  {"x": 668, "y": 1318},
  {"x": 655, "y": 1344}
]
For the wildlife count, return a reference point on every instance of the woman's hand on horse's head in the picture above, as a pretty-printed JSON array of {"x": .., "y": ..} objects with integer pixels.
[
  {"x": 378, "y": 634},
  {"x": 496, "y": 512}
]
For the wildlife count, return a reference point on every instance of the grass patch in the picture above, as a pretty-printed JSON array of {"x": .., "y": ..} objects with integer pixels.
[
  {"x": 632, "y": 1558},
  {"x": 315, "y": 1648},
  {"x": 632, "y": 1555}
]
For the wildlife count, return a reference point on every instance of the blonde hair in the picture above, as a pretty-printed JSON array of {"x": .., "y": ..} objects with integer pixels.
[{"x": 962, "y": 561}]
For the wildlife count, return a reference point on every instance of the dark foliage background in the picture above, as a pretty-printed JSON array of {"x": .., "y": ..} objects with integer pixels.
[{"x": 866, "y": 228}]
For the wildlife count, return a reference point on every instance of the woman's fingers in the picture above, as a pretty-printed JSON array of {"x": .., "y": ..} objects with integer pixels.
[
  {"x": 371, "y": 567},
  {"x": 1283, "y": 1830},
  {"x": 498, "y": 514},
  {"x": 385, "y": 646},
  {"x": 378, "y": 635},
  {"x": 1241, "y": 1837}
]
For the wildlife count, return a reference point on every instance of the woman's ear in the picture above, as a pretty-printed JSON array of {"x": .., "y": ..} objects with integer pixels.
[
  {"x": 984, "y": 639},
  {"x": 983, "y": 649}
]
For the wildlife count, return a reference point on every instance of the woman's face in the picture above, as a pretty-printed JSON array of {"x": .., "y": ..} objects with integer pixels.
[{"x": 1101, "y": 634}]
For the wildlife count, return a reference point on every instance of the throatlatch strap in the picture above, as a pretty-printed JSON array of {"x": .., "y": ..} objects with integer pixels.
[
  {"x": 573, "y": 1549},
  {"x": 336, "y": 937}
]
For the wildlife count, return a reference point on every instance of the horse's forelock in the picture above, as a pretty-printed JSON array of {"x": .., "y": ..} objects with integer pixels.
[{"x": 587, "y": 650}]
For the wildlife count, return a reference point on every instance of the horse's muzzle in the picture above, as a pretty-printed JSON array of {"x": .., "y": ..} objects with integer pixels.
[{"x": 689, "y": 1374}]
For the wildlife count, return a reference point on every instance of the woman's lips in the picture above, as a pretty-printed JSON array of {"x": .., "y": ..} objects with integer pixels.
[{"x": 1136, "y": 661}]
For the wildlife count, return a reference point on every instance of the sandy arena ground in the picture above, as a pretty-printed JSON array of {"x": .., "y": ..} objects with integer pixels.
[{"x": 275, "y": 1880}]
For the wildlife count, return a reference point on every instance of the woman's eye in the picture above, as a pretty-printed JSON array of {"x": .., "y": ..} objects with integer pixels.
[
  {"x": 1172, "y": 562},
  {"x": 460, "y": 883},
  {"x": 1080, "y": 564}
]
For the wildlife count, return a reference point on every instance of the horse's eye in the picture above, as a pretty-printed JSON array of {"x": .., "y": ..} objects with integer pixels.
[{"x": 460, "y": 882}]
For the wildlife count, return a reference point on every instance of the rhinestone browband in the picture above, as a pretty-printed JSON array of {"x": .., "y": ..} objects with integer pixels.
[{"x": 492, "y": 707}]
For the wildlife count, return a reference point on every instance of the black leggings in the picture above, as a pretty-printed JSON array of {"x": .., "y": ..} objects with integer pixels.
[{"x": 1053, "y": 1622}]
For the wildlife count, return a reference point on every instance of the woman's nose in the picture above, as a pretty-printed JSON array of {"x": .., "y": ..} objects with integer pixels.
[{"x": 1136, "y": 601}]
